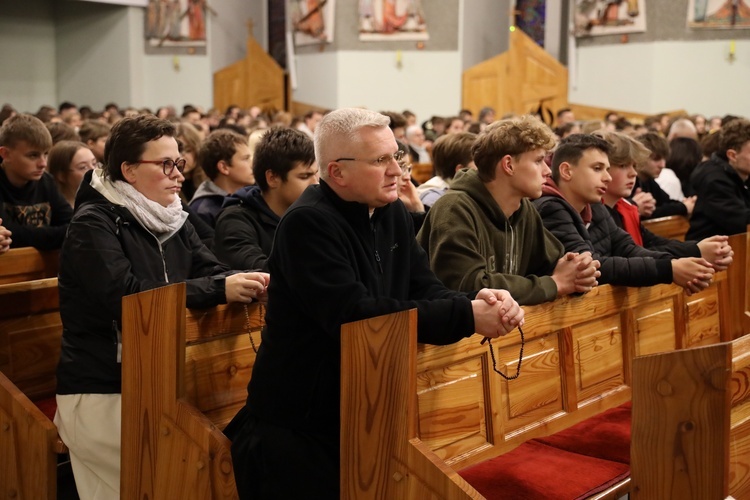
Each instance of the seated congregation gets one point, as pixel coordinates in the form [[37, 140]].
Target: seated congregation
[[314, 240]]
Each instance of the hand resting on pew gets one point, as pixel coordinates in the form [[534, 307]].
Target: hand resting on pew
[[717, 251], [244, 287], [496, 313], [5, 239]]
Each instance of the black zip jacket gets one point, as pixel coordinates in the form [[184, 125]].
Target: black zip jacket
[[622, 261], [331, 264], [245, 230], [723, 204], [106, 255]]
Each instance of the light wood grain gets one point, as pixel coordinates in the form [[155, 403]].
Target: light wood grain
[[680, 427], [673, 227], [256, 80]]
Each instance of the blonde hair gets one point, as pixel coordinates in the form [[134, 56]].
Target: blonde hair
[[513, 137], [623, 149]]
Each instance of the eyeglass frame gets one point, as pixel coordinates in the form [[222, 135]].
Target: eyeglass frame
[[179, 164], [382, 161]]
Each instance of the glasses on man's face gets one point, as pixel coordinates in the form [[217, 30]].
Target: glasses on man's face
[[168, 165], [383, 161]]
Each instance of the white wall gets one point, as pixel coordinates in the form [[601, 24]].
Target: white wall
[[27, 54], [92, 73], [317, 79], [427, 83], [229, 29], [663, 76]]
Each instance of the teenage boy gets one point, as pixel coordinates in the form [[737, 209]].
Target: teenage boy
[[722, 185], [226, 159], [283, 166], [450, 153], [652, 168], [485, 232], [31, 207], [571, 209], [624, 153]]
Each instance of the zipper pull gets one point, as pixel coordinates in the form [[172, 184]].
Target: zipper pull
[[377, 259]]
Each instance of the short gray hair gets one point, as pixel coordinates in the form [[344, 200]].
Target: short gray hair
[[342, 125], [412, 130]]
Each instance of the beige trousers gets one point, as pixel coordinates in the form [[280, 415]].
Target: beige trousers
[[90, 426]]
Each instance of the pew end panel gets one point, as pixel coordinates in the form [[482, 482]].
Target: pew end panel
[[28, 447], [680, 428], [381, 456], [169, 448]]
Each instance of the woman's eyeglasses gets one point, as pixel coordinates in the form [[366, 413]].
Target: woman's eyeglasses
[[168, 165]]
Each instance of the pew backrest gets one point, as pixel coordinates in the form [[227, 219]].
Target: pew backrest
[[26, 264], [577, 362], [674, 227]]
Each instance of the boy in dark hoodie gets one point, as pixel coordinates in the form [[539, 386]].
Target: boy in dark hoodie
[[484, 232], [571, 209], [227, 161], [283, 166]]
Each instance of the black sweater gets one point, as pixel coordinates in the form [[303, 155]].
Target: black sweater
[[36, 214], [331, 264], [622, 261]]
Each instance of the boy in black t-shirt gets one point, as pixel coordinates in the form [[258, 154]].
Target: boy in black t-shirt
[[31, 207]]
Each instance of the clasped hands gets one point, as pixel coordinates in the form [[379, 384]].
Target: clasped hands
[[496, 313]]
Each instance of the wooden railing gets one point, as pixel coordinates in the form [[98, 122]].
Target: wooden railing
[[26, 264]]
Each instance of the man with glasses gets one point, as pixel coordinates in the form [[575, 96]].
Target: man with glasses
[[129, 234], [227, 161], [344, 251]]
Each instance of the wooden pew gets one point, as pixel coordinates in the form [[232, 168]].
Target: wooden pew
[[26, 264], [577, 363], [691, 431], [198, 365], [674, 226], [30, 334]]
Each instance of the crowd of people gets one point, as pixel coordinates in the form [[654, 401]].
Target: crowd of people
[[320, 218]]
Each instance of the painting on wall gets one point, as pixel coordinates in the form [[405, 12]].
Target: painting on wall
[[176, 26], [609, 17], [718, 14], [530, 18], [381, 20], [312, 21]]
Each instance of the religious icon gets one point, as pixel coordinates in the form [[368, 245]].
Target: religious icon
[[719, 14], [609, 17], [312, 21], [176, 26], [381, 20]]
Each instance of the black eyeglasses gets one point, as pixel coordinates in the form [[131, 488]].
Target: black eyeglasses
[[383, 161], [168, 165]]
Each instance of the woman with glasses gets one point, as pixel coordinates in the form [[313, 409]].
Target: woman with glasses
[[129, 233]]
